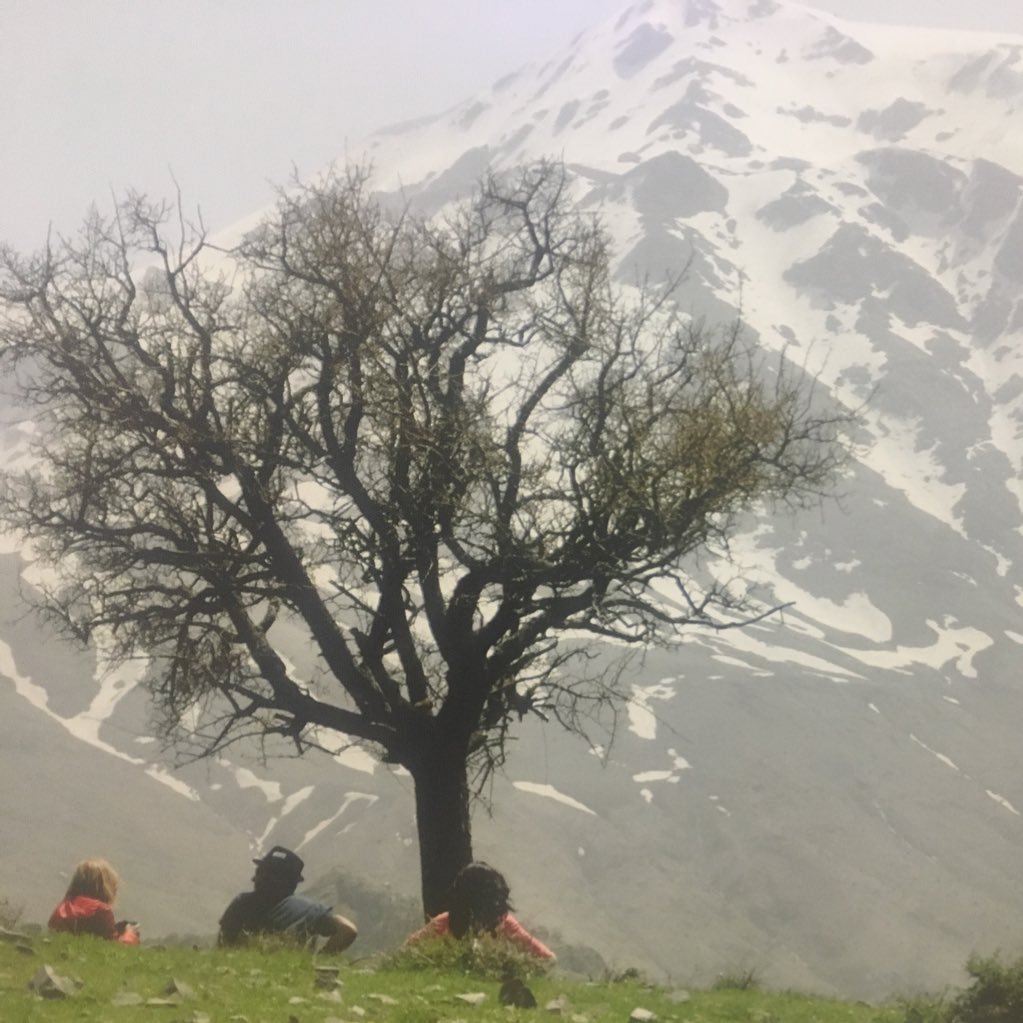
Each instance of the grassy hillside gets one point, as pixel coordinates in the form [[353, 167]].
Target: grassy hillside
[[111, 982]]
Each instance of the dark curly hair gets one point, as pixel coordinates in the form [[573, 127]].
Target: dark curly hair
[[478, 900]]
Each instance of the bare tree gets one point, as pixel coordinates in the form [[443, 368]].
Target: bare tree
[[438, 448]]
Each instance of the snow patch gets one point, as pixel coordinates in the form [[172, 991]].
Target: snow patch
[[550, 792], [350, 799], [934, 753], [1002, 801], [642, 719]]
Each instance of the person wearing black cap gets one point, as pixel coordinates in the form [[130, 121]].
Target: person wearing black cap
[[272, 907]]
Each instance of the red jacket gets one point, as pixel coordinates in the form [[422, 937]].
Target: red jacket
[[82, 915], [508, 928]]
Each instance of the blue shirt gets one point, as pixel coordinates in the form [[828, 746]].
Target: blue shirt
[[250, 913]]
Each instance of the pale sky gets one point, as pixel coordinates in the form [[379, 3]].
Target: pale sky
[[225, 96]]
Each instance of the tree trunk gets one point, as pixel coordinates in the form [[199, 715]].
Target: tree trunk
[[442, 819]]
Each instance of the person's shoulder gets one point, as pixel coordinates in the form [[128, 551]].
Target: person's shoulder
[[297, 909], [237, 907]]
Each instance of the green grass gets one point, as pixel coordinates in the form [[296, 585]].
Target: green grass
[[275, 985]]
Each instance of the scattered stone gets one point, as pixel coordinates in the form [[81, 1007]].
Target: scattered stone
[[199, 1017], [579, 1017], [163, 1003], [47, 983], [514, 992], [297, 1000], [126, 998], [357, 1010], [679, 995], [330, 996], [327, 977], [472, 997], [639, 1015], [178, 989], [237, 1019], [383, 999], [556, 1006]]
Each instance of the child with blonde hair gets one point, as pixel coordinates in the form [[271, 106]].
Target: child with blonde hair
[[87, 906]]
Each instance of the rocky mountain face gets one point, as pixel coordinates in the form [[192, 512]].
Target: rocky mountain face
[[833, 796]]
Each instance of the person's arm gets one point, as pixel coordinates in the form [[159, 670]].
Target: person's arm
[[435, 928], [339, 931], [101, 923], [515, 932], [127, 932], [230, 931]]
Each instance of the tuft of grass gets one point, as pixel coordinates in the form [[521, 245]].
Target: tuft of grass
[[743, 978], [925, 1009], [10, 913], [485, 957]]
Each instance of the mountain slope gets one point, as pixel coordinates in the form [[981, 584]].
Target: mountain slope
[[833, 795]]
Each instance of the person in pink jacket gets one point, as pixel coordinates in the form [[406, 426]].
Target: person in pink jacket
[[478, 904], [87, 906]]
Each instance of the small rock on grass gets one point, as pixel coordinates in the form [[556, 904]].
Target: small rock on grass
[[515, 992], [175, 988], [48, 983], [556, 1006], [125, 998], [639, 1015], [472, 997], [383, 999], [327, 977]]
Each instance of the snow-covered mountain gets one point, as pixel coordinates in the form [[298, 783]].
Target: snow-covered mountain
[[833, 797]]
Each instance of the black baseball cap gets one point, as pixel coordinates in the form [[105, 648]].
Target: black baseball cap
[[282, 863]]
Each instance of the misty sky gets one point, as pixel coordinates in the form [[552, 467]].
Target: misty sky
[[224, 96]]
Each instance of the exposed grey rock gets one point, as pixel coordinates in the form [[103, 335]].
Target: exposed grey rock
[[383, 999], [798, 204], [472, 997], [47, 983], [514, 991], [895, 121], [179, 989], [328, 977], [640, 1015], [853, 266], [556, 1006], [839, 47], [645, 44], [126, 998], [810, 115], [688, 115]]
